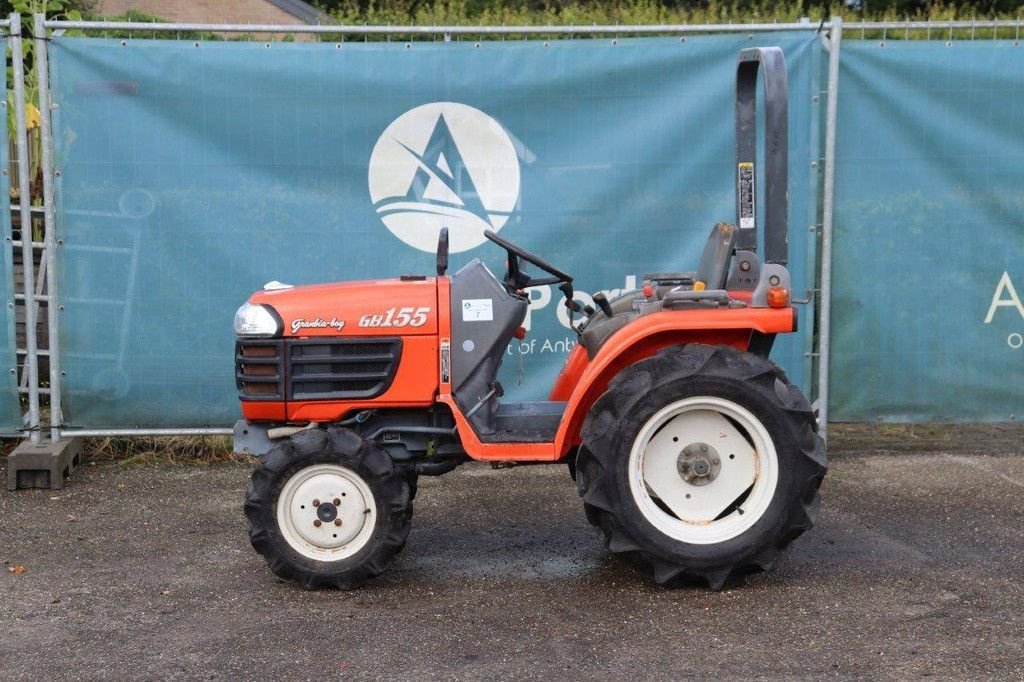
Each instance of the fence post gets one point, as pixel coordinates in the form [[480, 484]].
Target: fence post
[[39, 463], [828, 208], [49, 221], [31, 365]]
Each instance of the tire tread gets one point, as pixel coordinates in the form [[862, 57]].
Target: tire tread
[[599, 453], [338, 446]]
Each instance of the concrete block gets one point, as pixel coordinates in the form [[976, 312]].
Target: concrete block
[[43, 465]]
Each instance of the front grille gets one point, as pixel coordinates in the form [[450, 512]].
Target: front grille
[[259, 369], [341, 369]]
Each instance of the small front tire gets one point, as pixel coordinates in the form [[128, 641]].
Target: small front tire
[[328, 508]]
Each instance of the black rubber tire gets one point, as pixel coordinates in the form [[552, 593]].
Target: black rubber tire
[[678, 372], [332, 446], [413, 480], [570, 462]]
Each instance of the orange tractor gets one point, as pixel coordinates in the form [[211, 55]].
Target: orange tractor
[[692, 452]]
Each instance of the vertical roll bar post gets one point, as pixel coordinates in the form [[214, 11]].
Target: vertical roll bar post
[[771, 62]]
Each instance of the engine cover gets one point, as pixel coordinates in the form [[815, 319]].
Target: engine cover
[[383, 307]]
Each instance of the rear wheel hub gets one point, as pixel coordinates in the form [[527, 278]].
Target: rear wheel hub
[[698, 464], [703, 494]]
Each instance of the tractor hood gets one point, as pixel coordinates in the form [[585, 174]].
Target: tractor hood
[[382, 307]]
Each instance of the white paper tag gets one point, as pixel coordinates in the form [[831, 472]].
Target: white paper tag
[[477, 310]]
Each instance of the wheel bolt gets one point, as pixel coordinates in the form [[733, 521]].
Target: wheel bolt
[[337, 522], [317, 523], [336, 501], [316, 503]]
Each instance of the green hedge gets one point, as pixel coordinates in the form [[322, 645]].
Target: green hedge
[[573, 13]]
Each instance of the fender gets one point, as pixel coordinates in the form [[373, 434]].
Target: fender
[[582, 383]]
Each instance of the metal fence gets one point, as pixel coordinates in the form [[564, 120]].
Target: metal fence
[[42, 403]]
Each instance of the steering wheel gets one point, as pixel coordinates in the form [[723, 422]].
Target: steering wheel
[[517, 280], [515, 277]]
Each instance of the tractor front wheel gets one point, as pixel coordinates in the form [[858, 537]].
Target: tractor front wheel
[[327, 508], [701, 462]]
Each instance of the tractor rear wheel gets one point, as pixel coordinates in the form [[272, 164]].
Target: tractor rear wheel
[[327, 508], [701, 462]]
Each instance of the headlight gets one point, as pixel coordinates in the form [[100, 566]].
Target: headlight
[[256, 320]]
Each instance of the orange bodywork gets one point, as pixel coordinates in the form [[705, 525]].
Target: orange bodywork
[[361, 309], [374, 308], [496, 452], [582, 382]]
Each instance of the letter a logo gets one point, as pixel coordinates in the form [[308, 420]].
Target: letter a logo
[[444, 165]]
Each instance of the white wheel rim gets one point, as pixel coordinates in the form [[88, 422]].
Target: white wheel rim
[[743, 465], [311, 501]]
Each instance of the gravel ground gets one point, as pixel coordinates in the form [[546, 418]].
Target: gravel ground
[[914, 570]]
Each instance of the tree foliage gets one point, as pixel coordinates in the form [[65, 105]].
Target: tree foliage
[[651, 11], [74, 9]]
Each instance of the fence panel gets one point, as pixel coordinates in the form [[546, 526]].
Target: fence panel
[[193, 173], [929, 237]]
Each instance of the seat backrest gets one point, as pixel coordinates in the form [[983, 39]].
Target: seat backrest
[[713, 269]]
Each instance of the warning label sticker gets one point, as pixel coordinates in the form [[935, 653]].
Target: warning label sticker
[[477, 310], [446, 361], [745, 192]]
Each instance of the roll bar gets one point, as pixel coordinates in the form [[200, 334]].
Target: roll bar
[[776, 173]]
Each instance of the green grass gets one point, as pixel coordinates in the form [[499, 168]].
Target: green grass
[[163, 450]]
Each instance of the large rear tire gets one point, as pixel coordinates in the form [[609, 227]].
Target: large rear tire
[[327, 508], [701, 462]]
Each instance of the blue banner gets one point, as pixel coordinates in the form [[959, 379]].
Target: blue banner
[[193, 173], [929, 237]]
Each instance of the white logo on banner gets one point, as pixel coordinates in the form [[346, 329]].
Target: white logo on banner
[[444, 165], [1006, 296]]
